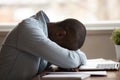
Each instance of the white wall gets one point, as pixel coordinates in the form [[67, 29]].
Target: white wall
[[98, 44]]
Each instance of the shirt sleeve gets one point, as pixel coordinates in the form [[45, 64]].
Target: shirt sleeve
[[32, 40], [82, 56]]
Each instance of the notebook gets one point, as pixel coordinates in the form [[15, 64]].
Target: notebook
[[100, 64], [65, 76]]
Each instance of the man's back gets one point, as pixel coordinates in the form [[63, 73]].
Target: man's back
[[15, 63]]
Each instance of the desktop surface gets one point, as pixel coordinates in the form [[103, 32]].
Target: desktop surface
[[111, 75]]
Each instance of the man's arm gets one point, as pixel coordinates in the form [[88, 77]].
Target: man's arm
[[33, 40]]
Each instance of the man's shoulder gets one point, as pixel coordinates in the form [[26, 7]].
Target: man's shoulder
[[29, 21]]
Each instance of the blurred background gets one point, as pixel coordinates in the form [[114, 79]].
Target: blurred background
[[84, 10], [100, 17]]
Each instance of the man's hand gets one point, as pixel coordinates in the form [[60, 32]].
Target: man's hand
[[67, 69], [54, 68]]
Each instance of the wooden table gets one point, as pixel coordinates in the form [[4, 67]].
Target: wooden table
[[111, 75]]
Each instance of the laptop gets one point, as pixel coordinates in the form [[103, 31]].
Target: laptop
[[100, 64]]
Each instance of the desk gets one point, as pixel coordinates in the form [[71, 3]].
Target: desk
[[111, 75]]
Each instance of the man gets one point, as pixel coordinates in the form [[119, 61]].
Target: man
[[36, 43]]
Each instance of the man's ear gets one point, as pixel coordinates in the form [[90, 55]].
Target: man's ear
[[61, 34]]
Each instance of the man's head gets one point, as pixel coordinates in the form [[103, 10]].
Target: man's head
[[69, 33]]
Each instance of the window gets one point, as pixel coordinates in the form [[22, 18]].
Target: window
[[83, 10]]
